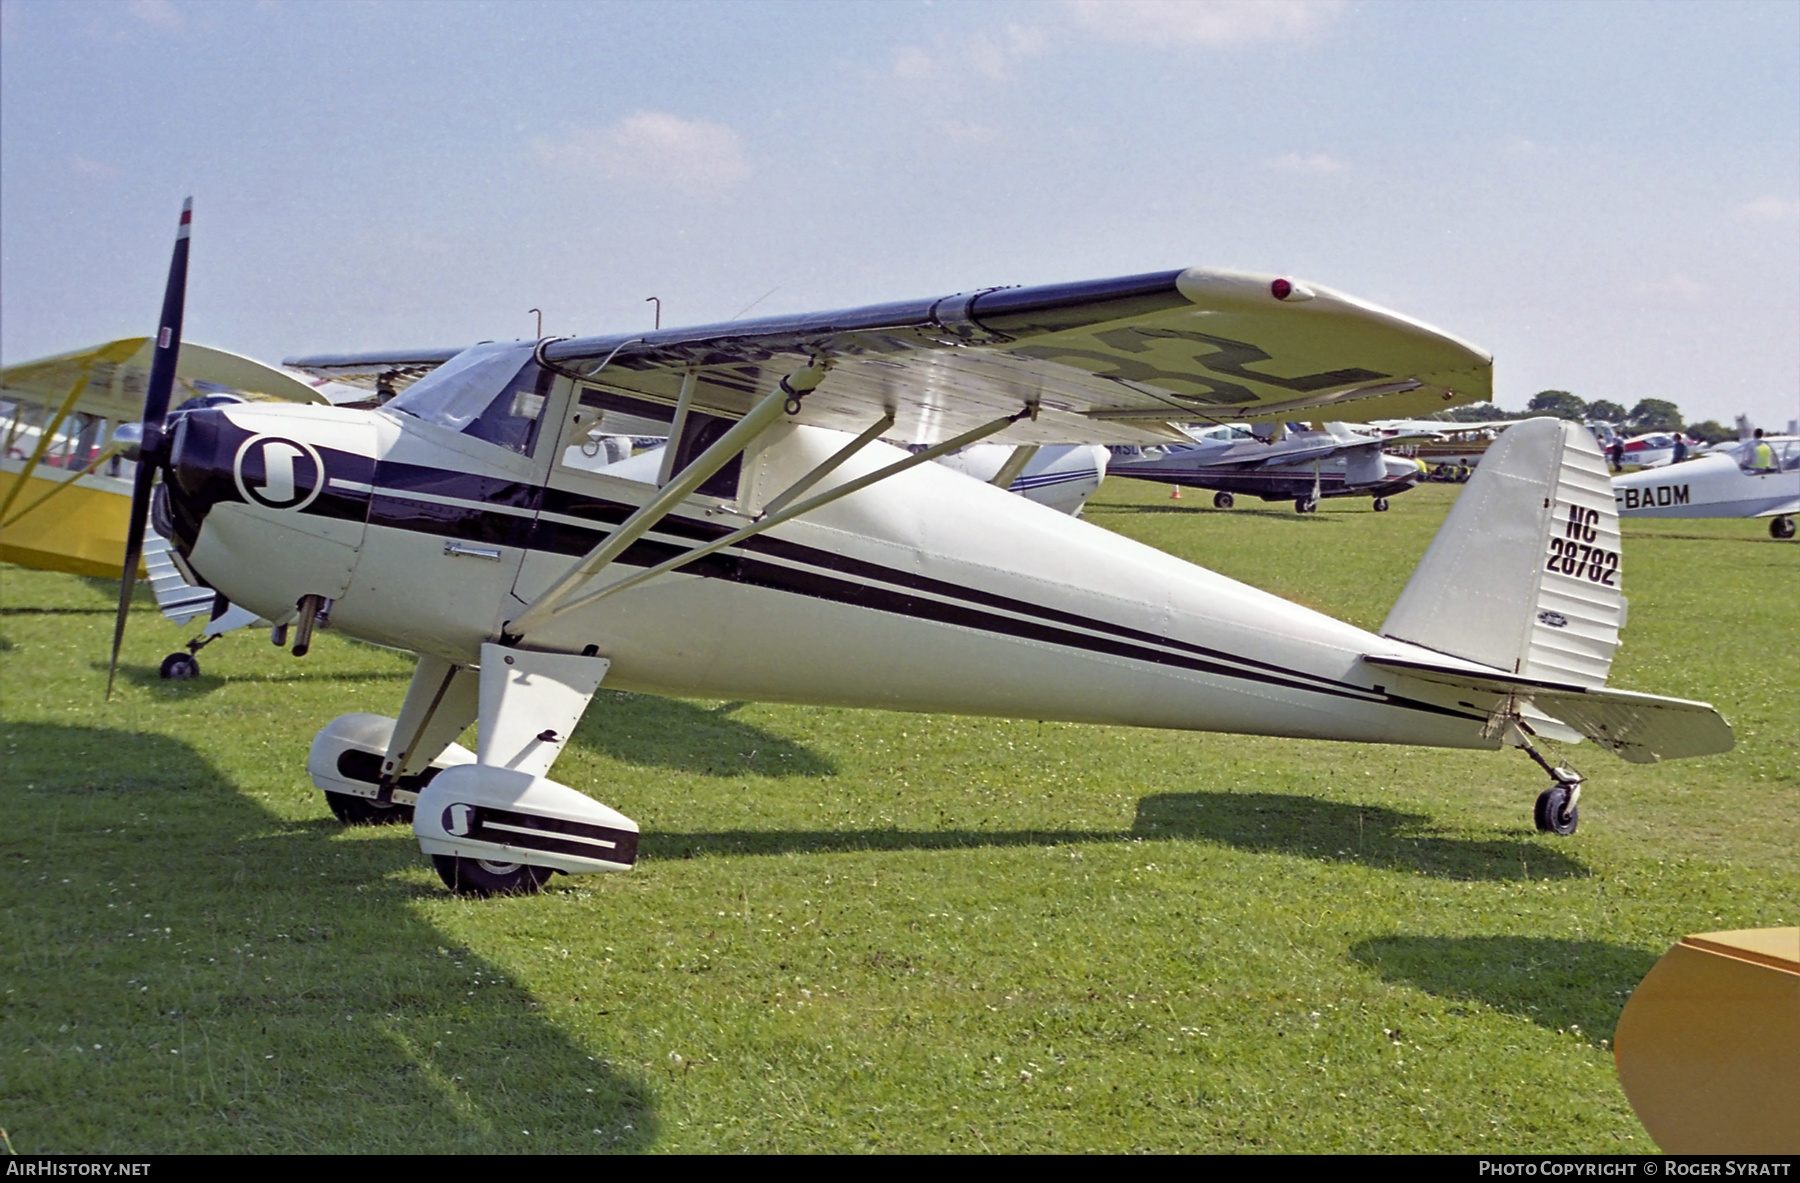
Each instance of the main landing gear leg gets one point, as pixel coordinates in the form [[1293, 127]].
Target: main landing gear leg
[[1555, 811]]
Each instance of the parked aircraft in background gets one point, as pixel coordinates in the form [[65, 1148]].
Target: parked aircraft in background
[[1302, 466], [782, 552], [1656, 449], [1061, 476], [66, 484], [1746, 479]]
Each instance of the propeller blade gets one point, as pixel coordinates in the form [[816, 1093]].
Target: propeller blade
[[156, 409]]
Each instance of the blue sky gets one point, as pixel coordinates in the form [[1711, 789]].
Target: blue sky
[[1607, 196]]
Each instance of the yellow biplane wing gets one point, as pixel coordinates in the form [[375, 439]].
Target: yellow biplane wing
[[117, 371]]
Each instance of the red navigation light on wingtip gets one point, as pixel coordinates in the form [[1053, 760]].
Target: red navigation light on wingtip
[[1281, 289]]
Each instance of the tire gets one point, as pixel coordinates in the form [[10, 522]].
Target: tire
[[1223, 501], [1381, 505], [1782, 528], [180, 667], [1306, 505], [481, 878], [361, 811], [1553, 814]]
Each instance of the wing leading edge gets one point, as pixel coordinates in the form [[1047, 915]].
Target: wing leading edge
[[1106, 361], [118, 371]]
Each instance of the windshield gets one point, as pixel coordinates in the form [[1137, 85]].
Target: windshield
[[494, 392]]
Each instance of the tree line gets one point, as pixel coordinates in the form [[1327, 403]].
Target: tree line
[[1650, 414]]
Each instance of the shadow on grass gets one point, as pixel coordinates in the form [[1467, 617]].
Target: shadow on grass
[[136, 608], [657, 732], [1560, 984], [1336, 832], [151, 675], [1261, 822], [1285, 515], [194, 974]]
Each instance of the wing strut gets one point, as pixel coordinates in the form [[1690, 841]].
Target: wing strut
[[45, 437], [1014, 466], [106, 453], [734, 441], [769, 521], [828, 466]]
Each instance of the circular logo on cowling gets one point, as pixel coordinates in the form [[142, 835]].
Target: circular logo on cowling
[[459, 820], [278, 473]]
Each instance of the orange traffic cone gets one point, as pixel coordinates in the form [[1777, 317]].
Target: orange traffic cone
[[1175, 493]]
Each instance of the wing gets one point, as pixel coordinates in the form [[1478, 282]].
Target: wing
[[1110, 361], [118, 370]]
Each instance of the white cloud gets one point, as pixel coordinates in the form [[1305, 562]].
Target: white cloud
[[912, 62], [161, 13], [93, 170], [1519, 146], [1316, 165], [1770, 208], [964, 132], [1675, 286], [990, 55], [1205, 22], [654, 150]]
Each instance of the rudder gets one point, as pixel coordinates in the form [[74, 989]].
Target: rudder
[[1524, 574]]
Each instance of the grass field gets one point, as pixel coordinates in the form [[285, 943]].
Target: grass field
[[863, 931]]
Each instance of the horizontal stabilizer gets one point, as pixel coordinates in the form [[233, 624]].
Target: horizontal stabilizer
[[1641, 728]]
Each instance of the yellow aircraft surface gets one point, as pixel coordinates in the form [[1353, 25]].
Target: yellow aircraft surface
[[65, 484]]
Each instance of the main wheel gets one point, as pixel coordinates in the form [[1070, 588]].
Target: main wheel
[[1381, 505], [1553, 813], [1223, 501], [1782, 528], [1306, 505], [362, 811], [479, 877], [180, 667]]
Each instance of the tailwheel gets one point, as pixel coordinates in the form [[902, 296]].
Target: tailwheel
[[1556, 812], [1381, 505], [363, 811], [1782, 527], [1223, 501], [180, 667], [482, 878]]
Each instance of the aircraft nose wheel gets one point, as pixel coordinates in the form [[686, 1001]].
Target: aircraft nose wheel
[[1381, 505], [1556, 811], [180, 667], [1223, 501], [1782, 528], [1306, 505], [482, 878]]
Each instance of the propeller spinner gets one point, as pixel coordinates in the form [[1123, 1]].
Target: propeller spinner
[[152, 452]]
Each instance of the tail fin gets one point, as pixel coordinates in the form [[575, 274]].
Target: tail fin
[[1524, 574]]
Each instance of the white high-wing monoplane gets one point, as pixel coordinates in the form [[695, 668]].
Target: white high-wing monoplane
[[1755, 478], [1303, 466], [781, 552], [1061, 476]]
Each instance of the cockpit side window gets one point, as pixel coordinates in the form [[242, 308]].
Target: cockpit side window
[[493, 392], [512, 419]]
